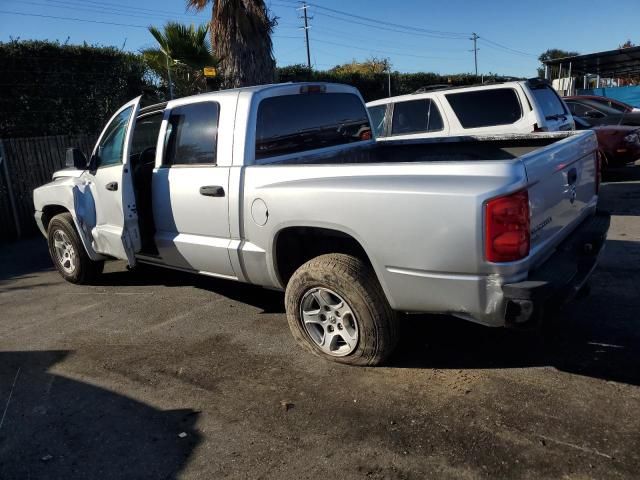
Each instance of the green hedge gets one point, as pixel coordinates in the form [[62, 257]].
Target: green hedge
[[49, 89], [374, 86], [53, 89]]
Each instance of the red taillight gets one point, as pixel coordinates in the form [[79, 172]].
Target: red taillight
[[507, 235]]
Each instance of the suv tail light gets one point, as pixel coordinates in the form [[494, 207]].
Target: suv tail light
[[507, 234]]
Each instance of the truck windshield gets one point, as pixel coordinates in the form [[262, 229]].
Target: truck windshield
[[297, 123]]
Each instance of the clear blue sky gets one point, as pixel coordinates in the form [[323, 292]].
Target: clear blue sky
[[525, 28]]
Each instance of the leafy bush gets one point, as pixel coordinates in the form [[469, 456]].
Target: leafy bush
[[376, 85], [49, 88]]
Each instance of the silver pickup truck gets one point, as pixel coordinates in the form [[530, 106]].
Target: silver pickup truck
[[284, 186]]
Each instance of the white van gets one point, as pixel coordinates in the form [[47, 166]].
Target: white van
[[496, 108]]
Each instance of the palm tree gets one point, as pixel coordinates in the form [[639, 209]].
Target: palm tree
[[183, 53], [241, 36]]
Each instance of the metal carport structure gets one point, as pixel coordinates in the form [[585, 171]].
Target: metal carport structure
[[623, 62]]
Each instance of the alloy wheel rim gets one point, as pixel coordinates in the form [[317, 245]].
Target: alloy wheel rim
[[65, 253], [329, 321]]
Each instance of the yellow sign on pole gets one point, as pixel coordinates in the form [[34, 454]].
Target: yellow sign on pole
[[210, 71]]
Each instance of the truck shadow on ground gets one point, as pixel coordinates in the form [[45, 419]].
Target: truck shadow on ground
[[269, 301], [596, 336], [570, 346], [56, 427]]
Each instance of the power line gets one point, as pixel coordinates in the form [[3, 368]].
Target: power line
[[380, 27], [457, 35], [78, 6], [72, 19], [373, 50], [508, 49], [389, 43]]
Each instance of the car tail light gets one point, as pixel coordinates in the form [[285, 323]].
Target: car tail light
[[507, 234]]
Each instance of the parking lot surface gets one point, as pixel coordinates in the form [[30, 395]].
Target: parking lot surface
[[158, 374]]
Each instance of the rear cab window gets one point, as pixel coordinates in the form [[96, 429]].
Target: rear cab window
[[416, 116], [486, 108], [290, 124]]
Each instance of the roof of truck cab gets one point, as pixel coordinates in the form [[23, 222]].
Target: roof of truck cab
[[253, 89]]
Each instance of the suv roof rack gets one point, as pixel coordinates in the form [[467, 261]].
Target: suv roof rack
[[431, 88]]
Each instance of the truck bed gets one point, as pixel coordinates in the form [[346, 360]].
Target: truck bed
[[445, 149]]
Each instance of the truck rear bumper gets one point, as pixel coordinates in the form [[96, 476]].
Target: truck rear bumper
[[558, 279]]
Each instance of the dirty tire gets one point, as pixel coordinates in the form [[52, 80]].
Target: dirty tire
[[86, 270], [356, 282]]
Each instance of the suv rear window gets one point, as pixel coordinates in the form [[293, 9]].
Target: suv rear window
[[297, 123], [485, 108], [416, 116], [549, 102]]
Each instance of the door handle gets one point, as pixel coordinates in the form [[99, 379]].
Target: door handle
[[572, 176], [112, 186], [212, 191]]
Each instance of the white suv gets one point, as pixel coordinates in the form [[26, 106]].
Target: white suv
[[497, 108]]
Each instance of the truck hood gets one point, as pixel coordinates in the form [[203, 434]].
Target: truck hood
[[67, 172]]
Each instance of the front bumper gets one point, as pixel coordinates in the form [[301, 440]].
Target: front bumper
[[557, 280]]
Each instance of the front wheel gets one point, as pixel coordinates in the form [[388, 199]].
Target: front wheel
[[337, 310], [68, 253]]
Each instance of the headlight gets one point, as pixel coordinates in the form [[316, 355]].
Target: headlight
[[632, 138]]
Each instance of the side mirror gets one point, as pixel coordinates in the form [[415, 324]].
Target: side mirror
[[75, 159], [593, 114]]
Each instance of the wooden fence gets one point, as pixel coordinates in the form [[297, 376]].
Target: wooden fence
[[27, 163]]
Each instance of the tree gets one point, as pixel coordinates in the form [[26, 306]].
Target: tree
[[552, 54], [627, 44], [183, 53], [241, 36], [371, 66]]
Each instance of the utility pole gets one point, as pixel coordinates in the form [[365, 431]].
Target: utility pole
[[306, 33], [475, 37]]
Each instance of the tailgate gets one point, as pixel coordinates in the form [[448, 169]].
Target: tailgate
[[562, 186]]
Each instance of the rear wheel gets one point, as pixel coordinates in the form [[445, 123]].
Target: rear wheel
[[337, 310], [68, 253]]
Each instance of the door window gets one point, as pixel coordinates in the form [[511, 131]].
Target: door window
[[111, 144], [192, 134], [578, 109], [416, 116], [486, 108], [145, 135], [377, 119]]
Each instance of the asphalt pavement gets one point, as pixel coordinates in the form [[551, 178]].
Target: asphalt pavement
[[158, 374]]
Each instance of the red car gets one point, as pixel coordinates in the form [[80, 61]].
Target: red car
[[620, 144], [609, 102]]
